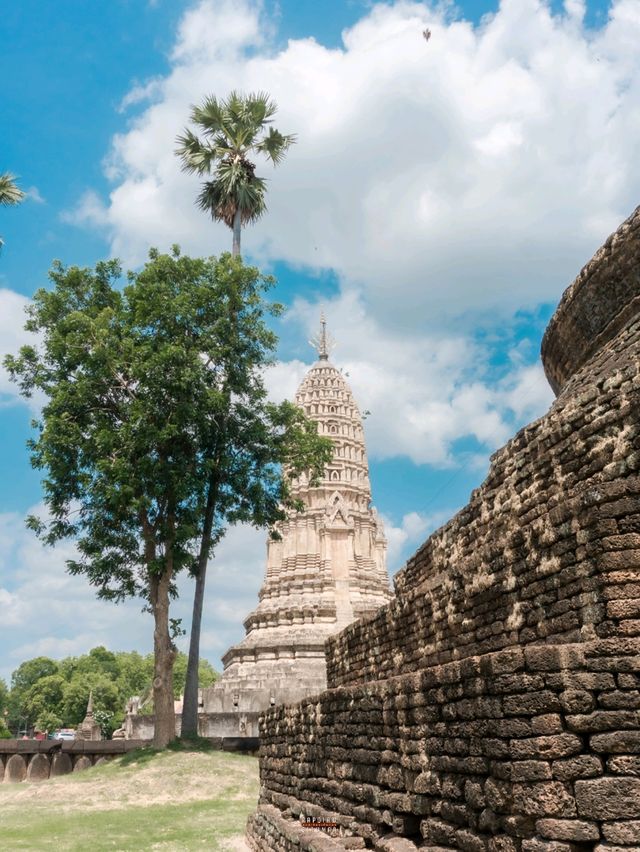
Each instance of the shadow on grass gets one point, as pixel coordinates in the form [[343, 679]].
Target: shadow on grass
[[191, 743]]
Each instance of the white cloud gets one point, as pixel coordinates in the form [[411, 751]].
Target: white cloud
[[33, 193], [461, 177], [90, 211], [423, 392], [527, 393], [140, 93], [413, 529], [48, 611], [474, 171]]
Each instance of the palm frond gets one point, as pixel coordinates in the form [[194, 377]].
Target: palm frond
[[209, 116], [195, 156], [251, 200], [215, 200], [275, 145], [262, 107], [10, 193]]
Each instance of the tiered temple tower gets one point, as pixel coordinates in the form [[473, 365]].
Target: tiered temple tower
[[327, 569]]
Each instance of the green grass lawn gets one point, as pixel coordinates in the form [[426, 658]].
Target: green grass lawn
[[166, 801]]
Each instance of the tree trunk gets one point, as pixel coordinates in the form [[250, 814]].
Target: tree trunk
[[237, 225], [164, 656], [190, 704]]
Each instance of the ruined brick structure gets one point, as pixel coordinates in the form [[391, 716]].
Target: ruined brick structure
[[494, 704]]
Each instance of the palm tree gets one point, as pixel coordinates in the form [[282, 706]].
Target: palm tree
[[232, 130], [10, 194]]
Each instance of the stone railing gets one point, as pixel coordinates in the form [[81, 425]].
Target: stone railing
[[38, 760]]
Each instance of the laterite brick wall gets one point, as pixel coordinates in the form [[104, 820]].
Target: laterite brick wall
[[495, 703]]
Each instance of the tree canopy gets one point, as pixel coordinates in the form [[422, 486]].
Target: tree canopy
[[49, 694], [155, 411], [233, 130]]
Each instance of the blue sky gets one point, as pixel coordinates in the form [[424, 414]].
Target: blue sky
[[440, 198]]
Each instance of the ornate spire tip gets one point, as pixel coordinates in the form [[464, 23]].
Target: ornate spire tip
[[323, 341]]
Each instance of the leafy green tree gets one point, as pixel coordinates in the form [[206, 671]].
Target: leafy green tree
[[135, 673], [232, 130], [207, 675], [31, 671], [4, 710], [4, 697], [48, 721], [156, 426], [106, 697], [46, 695], [22, 680], [113, 677]]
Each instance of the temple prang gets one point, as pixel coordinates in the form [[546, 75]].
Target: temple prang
[[326, 568]]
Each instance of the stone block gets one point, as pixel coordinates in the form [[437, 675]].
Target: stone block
[[604, 720], [620, 700], [15, 769], [60, 764], [620, 742], [550, 798], [549, 748], [39, 768], [567, 829], [625, 833], [394, 844], [608, 847], [82, 762], [437, 831], [577, 701], [530, 770], [549, 723], [584, 766], [531, 703], [624, 765], [502, 844], [608, 798], [468, 841], [536, 845]]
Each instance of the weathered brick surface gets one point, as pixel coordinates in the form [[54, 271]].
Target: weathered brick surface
[[495, 703]]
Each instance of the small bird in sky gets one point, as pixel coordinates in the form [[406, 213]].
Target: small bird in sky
[[426, 34]]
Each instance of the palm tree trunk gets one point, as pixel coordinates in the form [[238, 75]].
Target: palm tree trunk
[[237, 225]]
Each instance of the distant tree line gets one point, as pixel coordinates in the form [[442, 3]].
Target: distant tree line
[[46, 694]]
